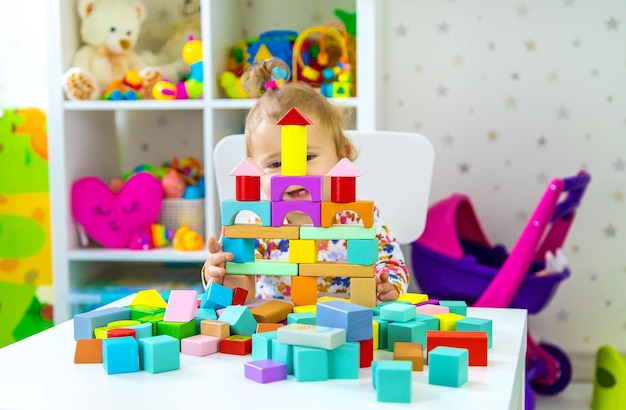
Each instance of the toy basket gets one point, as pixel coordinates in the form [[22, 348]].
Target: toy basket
[[178, 211]]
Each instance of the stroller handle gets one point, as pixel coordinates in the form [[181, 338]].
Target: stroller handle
[[575, 187]]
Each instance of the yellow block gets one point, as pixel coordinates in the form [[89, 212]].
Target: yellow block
[[413, 298], [305, 308], [118, 324], [293, 146], [447, 321], [303, 251], [331, 298], [149, 297], [100, 332], [375, 333]]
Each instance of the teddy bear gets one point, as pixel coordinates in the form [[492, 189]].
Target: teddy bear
[[109, 30], [168, 40]]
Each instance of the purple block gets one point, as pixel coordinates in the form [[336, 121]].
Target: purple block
[[282, 208], [312, 183], [265, 371], [428, 302]]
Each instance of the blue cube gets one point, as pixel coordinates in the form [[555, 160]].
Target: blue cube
[[159, 354], [120, 355], [448, 366], [356, 320]]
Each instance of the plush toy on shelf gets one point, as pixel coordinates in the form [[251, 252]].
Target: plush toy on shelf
[[109, 30], [192, 87]]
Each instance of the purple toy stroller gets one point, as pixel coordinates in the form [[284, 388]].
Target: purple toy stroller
[[453, 259]]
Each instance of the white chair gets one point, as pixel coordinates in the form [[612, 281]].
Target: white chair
[[397, 171]]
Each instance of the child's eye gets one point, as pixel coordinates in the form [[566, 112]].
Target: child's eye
[[310, 157], [274, 165]]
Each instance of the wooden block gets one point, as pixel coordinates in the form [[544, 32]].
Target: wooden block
[[365, 209], [178, 330], [410, 351], [303, 251], [356, 320], [268, 327], [281, 208], [246, 282], [330, 299], [237, 344], [266, 267], [312, 183], [159, 354], [397, 312], [283, 353], [293, 150], [336, 269], [474, 342], [247, 188], [411, 331], [305, 308], [303, 290], [85, 323], [375, 334], [272, 311], [342, 189], [137, 311], [306, 318], [182, 305], [88, 351], [413, 298], [383, 327], [262, 345], [216, 296], [255, 231], [337, 232], [447, 321], [366, 352], [313, 336], [239, 296], [241, 248], [199, 345], [310, 363], [231, 207], [432, 323], [448, 366], [240, 319], [215, 328], [362, 251], [363, 291]]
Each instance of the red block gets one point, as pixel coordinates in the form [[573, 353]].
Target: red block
[[366, 353], [248, 188], [343, 189], [239, 296], [121, 332], [474, 342], [236, 344]]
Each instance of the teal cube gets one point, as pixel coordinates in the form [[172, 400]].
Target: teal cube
[[448, 366], [343, 361], [307, 318], [456, 306], [393, 381], [159, 354], [412, 331], [475, 324], [202, 314], [241, 320], [432, 323], [216, 296], [231, 207], [241, 248], [310, 364], [398, 312], [362, 251], [262, 345], [383, 327], [120, 355], [283, 353]]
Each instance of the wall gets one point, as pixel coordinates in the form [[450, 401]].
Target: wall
[[511, 94]]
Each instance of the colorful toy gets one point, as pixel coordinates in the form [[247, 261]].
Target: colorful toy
[[128, 88], [608, 379], [109, 31], [192, 87], [455, 247], [173, 184], [112, 219], [187, 240]]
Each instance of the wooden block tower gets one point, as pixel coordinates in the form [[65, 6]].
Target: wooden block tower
[[362, 245]]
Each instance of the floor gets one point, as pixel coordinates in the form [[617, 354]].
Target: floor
[[577, 396]]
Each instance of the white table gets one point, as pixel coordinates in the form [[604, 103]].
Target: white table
[[39, 372]]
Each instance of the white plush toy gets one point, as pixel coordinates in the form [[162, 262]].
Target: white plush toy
[[109, 30], [171, 38]]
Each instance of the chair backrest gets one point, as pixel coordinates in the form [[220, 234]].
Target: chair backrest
[[397, 171]]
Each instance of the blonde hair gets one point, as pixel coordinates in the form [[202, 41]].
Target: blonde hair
[[275, 102]]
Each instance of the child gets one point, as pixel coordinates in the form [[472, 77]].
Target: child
[[326, 145]]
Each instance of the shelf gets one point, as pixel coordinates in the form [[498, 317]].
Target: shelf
[[228, 103], [139, 105], [166, 254]]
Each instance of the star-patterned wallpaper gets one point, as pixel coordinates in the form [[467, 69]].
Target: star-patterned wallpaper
[[511, 94]]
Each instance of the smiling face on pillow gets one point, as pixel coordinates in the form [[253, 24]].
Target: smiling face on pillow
[[112, 219]]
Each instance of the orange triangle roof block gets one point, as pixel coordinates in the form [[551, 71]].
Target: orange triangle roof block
[[344, 168], [294, 117], [247, 167]]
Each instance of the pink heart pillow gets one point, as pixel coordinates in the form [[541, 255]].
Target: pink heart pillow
[[112, 219]]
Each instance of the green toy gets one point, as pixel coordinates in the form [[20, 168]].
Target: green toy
[[609, 381]]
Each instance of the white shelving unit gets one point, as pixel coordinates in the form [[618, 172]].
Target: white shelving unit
[[107, 138]]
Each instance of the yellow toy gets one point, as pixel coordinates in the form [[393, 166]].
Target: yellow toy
[[187, 240]]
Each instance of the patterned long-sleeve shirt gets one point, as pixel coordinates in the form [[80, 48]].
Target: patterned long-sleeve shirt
[[390, 260]]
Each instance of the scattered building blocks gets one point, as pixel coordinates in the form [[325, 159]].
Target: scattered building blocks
[[154, 321], [215, 328], [149, 297], [305, 308], [88, 351], [272, 311], [283, 353], [142, 330], [240, 319], [375, 334], [476, 324], [120, 355], [177, 330], [409, 351], [356, 320], [121, 332], [306, 318], [310, 364], [236, 344], [397, 312], [430, 309], [448, 366], [447, 321], [137, 311], [343, 362], [411, 331], [474, 342], [216, 296], [262, 345], [159, 354], [456, 306], [412, 298], [241, 248], [304, 290], [200, 345], [239, 296], [265, 371], [392, 381], [85, 323], [182, 306], [432, 323], [312, 336], [362, 251], [268, 327], [366, 352], [243, 282]]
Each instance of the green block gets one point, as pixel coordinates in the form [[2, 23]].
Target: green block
[[412, 331], [139, 311], [343, 362], [398, 312], [338, 232], [456, 306], [362, 251], [155, 320], [240, 319], [310, 364], [448, 366], [432, 323], [178, 330], [307, 318], [383, 327], [283, 353], [476, 324], [266, 267], [393, 381], [262, 345], [159, 354]]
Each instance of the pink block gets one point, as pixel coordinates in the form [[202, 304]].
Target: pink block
[[182, 306], [432, 309], [200, 345], [312, 183]]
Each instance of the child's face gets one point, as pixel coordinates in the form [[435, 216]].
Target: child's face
[[265, 150]]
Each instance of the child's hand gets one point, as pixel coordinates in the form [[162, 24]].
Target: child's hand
[[385, 290], [214, 267]]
